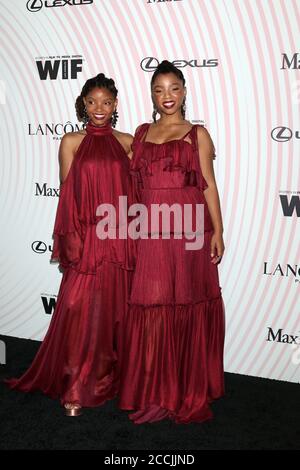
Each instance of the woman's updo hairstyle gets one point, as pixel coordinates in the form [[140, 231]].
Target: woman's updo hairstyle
[[167, 67], [100, 81]]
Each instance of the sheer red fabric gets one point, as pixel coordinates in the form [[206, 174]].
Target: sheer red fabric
[[172, 359], [78, 359]]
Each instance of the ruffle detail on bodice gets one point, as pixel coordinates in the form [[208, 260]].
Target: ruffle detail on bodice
[[176, 155]]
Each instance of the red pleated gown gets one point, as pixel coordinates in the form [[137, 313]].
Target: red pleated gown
[[172, 361], [78, 359]]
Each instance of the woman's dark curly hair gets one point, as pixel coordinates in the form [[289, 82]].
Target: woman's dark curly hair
[[100, 81], [167, 67]]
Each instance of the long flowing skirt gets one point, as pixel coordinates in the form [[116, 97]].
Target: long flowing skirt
[[172, 359], [78, 359]]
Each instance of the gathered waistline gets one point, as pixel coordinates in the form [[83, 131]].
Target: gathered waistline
[[167, 189]]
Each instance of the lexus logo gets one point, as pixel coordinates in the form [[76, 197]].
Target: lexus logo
[[34, 5], [281, 134], [149, 64], [39, 247]]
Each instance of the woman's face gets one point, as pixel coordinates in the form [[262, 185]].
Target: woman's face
[[100, 105], [168, 93]]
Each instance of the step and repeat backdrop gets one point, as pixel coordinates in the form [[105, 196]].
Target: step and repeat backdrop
[[241, 61]]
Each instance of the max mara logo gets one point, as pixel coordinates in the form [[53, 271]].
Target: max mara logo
[[280, 337]]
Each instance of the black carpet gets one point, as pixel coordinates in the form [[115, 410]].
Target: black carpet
[[255, 414]]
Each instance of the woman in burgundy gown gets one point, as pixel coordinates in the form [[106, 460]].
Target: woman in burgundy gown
[[78, 359], [172, 361]]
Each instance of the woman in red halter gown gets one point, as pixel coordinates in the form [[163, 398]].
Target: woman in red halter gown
[[172, 360], [78, 359]]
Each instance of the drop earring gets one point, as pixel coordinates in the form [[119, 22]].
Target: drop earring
[[85, 116], [154, 113], [114, 118], [183, 108]]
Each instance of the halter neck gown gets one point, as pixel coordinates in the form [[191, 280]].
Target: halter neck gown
[[78, 359]]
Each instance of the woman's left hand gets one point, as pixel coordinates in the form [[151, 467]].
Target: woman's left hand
[[217, 248]]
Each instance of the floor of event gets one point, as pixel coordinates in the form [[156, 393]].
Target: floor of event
[[255, 414]]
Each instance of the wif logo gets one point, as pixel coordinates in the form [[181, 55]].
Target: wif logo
[[64, 67], [290, 206], [49, 303]]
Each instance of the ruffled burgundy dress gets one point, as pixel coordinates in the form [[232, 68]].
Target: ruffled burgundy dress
[[78, 359], [172, 361]]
